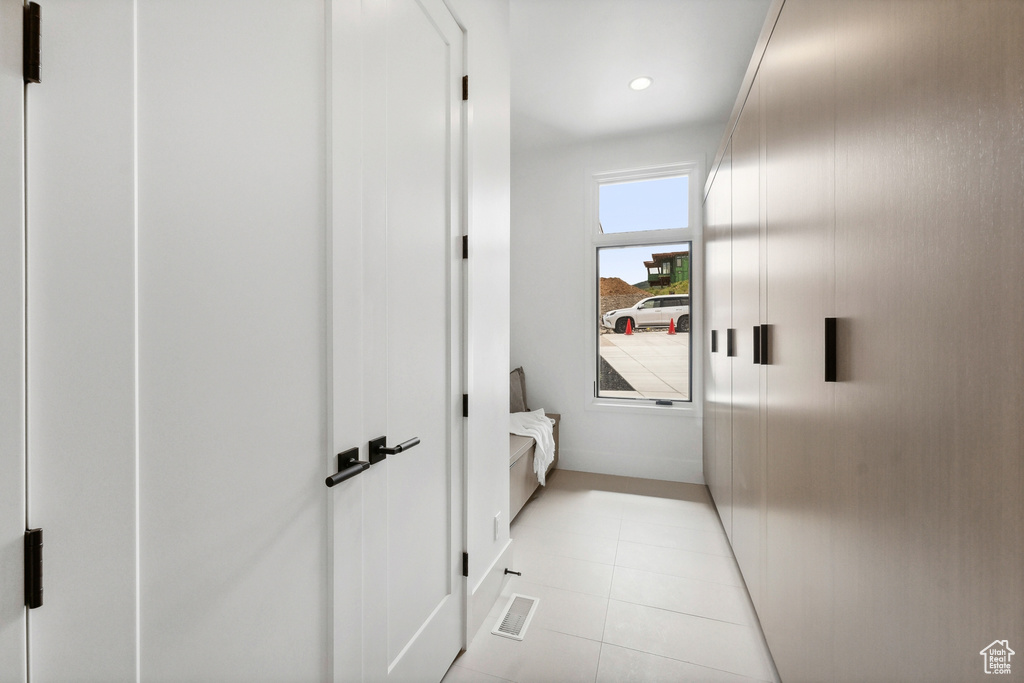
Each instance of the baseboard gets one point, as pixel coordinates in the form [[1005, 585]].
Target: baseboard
[[486, 593], [643, 467]]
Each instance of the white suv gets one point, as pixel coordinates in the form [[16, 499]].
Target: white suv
[[655, 311]]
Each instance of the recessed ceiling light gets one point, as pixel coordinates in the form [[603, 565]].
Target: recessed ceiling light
[[641, 83]]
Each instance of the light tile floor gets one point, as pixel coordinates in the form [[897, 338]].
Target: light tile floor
[[636, 582]]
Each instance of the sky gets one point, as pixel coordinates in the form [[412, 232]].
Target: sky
[[656, 204]]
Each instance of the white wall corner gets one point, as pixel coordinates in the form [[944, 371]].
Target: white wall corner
[[484, 596]]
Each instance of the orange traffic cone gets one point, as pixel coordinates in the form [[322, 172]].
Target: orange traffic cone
[[629, 326], [671, 326]]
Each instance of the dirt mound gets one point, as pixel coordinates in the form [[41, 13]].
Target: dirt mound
[[613, 286]]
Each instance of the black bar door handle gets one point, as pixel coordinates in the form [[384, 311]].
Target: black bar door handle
[[757, 344], [349, 465], [730, 342], [764, 345], [830, 350], [379, 449], [714, 341]]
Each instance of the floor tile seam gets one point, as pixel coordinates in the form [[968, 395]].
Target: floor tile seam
[[717, 534], [565, 590], [688, 578], [679, 611], [685, 661], [689, 550], [673, 526], [575, 533], [570, 635], [688, 614], [485, 673], [569, 557], [595, 514]]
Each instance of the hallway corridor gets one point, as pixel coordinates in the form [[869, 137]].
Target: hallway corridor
[[635, 581]]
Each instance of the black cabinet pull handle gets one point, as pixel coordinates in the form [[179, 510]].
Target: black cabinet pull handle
[[379, 449], [714, 341], [349, 466], [730, 342], [757, 344], [764, 345], [830, 350], [34, 568]]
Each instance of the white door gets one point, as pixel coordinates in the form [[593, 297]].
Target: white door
[[12, 347], [176, 341], [414, 594], [648, 313]]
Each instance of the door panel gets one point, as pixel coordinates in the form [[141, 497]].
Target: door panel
[[929, 437], [13, 651], [748, 465], [418, 267], [82, 456], [645, 315], [232, 340], [176, 342], [798, 98], [710, 301], [721, 361], [415, 600]]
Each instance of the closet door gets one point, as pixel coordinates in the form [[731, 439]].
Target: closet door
[[710, 305], [80, 314], [13, 651], [413, 592], [232, 341], [797, 94], [176, 341], [719, 314], [929, 511], [747, 460]]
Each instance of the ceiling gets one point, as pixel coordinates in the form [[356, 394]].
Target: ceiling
[[572, 61]]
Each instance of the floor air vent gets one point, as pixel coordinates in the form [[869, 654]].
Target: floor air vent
[[515, 617]]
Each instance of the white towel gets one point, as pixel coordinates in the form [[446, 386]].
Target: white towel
[[541, 427]]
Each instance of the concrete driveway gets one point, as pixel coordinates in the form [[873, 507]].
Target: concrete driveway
[[656, 364]]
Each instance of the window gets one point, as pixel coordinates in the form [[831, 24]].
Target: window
[[642, 247]]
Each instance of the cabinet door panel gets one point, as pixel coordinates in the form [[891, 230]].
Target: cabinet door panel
[[710, 297], [747, 463], [720, 258], [798, 95], [928, 258]]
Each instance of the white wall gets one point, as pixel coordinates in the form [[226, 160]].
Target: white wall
[[487, 150], [551, 306]]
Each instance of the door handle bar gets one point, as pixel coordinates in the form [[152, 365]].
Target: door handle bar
[[349, 465], [379, 449]]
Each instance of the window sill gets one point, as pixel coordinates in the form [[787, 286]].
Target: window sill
[[643, 407]]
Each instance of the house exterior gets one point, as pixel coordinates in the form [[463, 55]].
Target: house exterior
[[667, 269]]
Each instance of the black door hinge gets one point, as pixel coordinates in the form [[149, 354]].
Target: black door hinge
[[465, 405], [30, 42], [34, 568], [465, 564], [465, 88], [465, 246]]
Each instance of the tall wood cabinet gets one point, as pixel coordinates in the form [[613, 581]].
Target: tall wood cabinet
[[718, 431], [873, 175], [747, 455]]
